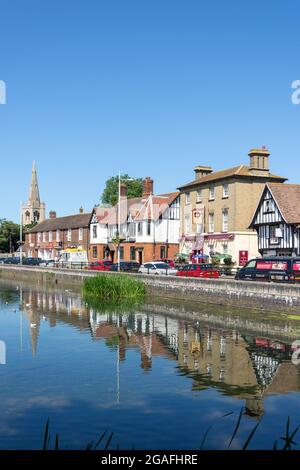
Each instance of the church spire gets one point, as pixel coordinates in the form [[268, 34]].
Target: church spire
[[34, 194], [34, 210]]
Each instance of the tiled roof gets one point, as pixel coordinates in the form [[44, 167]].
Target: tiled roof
[[60, 223], [241, 170], [287, 198], [138, 208]]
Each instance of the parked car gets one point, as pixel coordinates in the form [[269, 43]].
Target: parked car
[[31, 261], [198, 270], [284, 269], [126, 266], [103, 265], [157, 267], [12, 260], [170, 262]]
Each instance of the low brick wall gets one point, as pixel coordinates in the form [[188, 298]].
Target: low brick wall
[[219, 291]]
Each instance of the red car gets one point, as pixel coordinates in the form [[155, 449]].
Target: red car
[[198, 270], [103, 265]]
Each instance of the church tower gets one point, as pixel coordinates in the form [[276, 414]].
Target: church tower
[[34, 210]]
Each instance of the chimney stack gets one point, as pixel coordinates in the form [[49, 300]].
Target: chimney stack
[[147, 186], [81, 210], [201, 171], [259, 161], [52, 214], [123, 188]]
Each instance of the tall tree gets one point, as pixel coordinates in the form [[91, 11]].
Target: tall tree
[[111, 191], [9, 236]]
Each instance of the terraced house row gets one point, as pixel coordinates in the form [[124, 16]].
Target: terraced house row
[[212, 214]]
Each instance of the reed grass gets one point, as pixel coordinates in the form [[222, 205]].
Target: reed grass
[[113, 288]]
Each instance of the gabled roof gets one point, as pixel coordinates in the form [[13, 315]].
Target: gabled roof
[[287, 198], [237, 171], [139, 208], [60, 223]]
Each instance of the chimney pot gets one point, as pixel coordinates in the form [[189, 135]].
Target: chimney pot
[[81, 210], [147, 186], [259, 159], [201, 171], [52, 214], [123, 188]]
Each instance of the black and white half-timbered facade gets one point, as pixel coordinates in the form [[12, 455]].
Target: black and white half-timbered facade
[[277, 220]]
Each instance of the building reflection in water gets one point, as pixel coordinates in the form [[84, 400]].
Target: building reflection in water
[[238, 365]]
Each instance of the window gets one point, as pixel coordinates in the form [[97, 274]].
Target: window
[[187, 223], [148, 227], [273, 234], [44, 236], [199, 195], [39, 236], [50, 236], [251, 264], [225, 190], [132, 253], [131, 229], [187, 198], [225, 248], [94, 231], [211, 222], [140, 228], [57, 235], [69, 236], [269, 205], [162, 252], [211, 193], [94, 252], [225, 221], [199, 228], [80, 234], [121, 252]]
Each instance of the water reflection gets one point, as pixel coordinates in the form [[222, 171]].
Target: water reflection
[[239, 365]]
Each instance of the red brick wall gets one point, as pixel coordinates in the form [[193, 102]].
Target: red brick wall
[[63, 238], [149, 252]]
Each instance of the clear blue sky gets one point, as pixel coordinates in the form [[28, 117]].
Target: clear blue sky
[[148, 87]]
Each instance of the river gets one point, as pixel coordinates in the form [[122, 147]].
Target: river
[[157, 376]]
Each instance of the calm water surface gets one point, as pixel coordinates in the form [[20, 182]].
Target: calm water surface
[[157, 382]]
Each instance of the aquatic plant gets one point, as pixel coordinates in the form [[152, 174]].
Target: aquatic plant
[[113, 288]]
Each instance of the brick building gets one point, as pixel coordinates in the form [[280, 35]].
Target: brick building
[[49, 238], [149, 227], [217, 208]]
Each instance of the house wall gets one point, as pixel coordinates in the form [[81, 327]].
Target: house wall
[[45, 249]]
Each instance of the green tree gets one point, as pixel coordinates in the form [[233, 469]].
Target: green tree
[[111, 191], [9, 236]]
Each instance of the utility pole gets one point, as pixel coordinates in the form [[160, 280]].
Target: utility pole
[[119, 221], [21, 235]]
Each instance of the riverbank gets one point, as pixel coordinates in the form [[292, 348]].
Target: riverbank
[[258, 295]]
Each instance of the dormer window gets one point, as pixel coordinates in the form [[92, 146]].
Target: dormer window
[[269, 206]]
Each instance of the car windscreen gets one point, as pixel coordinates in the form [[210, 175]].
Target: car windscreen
[[161, 265]]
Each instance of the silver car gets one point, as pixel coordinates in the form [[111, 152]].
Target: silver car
[[157, 268]]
